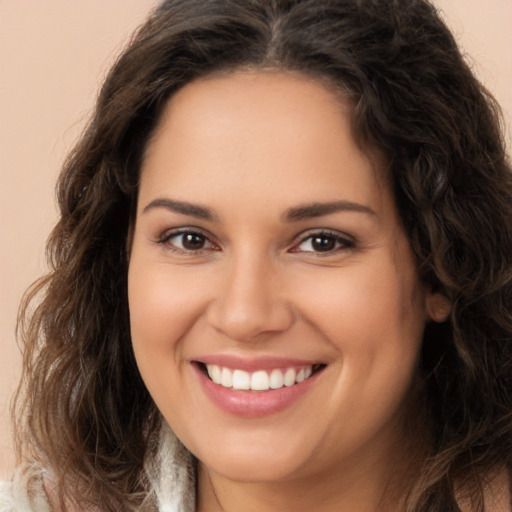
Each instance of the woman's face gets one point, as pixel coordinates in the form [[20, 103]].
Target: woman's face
[[268, 256]]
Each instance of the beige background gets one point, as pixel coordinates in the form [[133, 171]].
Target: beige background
[[53, 54]]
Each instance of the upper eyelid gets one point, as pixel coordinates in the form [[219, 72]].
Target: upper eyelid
[[170, 232], [325, 231]]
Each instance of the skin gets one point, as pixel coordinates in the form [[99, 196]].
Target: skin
[[250, 146]]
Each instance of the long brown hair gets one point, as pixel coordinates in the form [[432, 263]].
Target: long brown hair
[[82, 406]]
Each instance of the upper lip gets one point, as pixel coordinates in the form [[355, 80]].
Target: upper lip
[[252, 364]]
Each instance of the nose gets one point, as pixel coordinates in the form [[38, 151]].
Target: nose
[[249, 303]]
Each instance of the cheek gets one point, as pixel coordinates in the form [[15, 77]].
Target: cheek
[[367, 303], [164, 307], [373, 317], [164, 304]]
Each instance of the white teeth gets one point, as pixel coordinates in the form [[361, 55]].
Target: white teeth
[[215, 373], [289, 377], [241, 380], [226, 378], [276, 379], [260, 380]]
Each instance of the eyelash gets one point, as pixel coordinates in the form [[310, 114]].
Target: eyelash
[[165, 240], [340, 242]]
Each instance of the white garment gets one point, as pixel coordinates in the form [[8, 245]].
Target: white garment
[[6, 498], [25, 493], [171, 474]]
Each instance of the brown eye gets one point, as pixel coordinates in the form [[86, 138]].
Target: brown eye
[[193, 241], [323, 243], [187, 241]]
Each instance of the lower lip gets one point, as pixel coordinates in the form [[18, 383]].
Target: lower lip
[[253, 404]]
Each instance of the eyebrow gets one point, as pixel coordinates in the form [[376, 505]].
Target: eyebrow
[[310, 211], [183, 207]]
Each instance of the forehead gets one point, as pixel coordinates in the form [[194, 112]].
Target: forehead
[[252, 97], [255, 132]]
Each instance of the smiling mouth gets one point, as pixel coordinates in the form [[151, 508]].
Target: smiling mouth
[[261, 380]]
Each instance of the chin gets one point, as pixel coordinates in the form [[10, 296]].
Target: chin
[[254, 466]]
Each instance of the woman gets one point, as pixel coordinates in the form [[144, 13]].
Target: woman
[[281, 277]]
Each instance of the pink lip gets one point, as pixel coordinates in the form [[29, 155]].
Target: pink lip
[[254, 364], [254, 404]]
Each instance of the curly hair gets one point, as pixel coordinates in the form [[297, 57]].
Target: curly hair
[[82, 406]]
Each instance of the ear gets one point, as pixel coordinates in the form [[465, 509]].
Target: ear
[[438, 307]]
